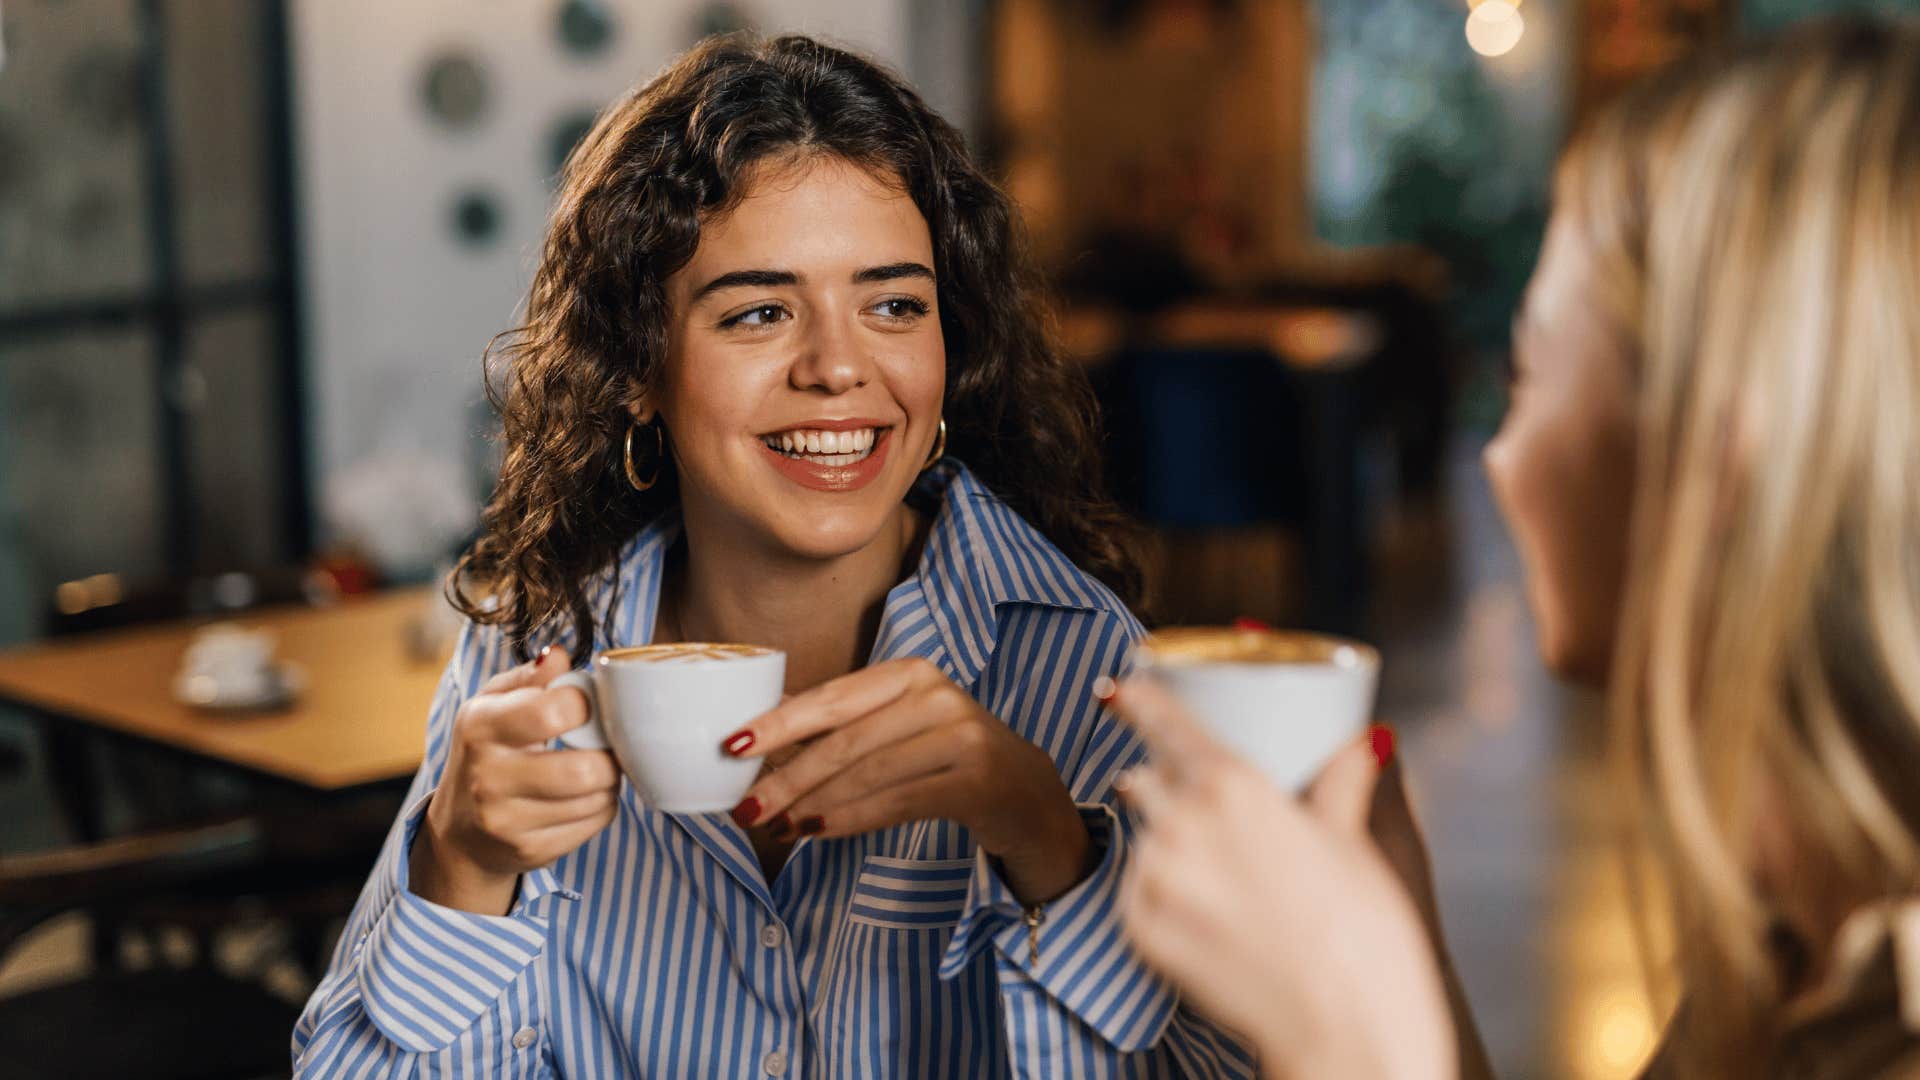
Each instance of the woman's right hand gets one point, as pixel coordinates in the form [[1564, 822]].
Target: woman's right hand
[[506, 804], [1278, 917]]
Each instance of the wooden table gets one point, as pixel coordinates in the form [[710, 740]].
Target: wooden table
[[361, 720]]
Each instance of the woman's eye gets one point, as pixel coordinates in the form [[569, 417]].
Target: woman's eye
[[900, 308], [764, 315]]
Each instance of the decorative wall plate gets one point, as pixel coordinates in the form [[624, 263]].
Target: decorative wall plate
[[721, 17], [454, 87], [476, 218], [585, 27], [563, 135]]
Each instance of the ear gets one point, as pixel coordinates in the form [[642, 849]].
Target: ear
[[640, 403]]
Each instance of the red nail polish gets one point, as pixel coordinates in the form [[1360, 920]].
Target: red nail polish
[[748, 809], [1380, 737], [738, 743], [1248, 622], [811, 825], [782, 827]]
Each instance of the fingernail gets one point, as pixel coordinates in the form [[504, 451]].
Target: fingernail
[[748, 810], [738, 743], [1104, 688], [1380, 737], [1248, 622], [1123, 782], [811, 825], [782, 827]]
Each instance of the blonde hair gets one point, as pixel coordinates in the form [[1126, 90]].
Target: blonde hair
[[1754, 217]]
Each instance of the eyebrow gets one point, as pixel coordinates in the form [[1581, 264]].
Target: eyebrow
[[735, 279], [892, 272], [758, 278]]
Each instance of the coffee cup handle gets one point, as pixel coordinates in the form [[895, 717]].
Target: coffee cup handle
[[590, 735]]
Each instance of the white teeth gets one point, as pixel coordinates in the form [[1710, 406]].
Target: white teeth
[[825, 447]]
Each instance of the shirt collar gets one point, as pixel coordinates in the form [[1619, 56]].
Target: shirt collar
[[981, 556]]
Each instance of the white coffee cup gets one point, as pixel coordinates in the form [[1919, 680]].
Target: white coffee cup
[[225, 662], [664, 709], [1287, 701]]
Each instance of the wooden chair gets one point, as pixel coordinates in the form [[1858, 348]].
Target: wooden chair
[[163, 1021]]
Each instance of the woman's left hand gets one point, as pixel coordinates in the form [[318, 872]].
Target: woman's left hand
[[899, 742]]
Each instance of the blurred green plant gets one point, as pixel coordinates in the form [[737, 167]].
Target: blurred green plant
[[1769, 14], [1414, 142]]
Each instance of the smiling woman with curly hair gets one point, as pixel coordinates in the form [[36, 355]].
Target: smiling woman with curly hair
[[784, 380]]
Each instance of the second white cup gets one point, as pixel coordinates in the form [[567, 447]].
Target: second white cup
[[1285, 700]]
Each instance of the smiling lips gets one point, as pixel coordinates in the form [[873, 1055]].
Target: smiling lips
[[843, 457]]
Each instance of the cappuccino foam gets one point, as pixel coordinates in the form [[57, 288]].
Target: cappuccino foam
[[1232, 645], [686, 652]]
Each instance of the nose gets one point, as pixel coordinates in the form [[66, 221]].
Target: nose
[[1492, 456], [832, 358]]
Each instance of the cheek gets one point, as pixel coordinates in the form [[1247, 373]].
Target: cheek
[[1554, 485], [918, 374], [711, 398]]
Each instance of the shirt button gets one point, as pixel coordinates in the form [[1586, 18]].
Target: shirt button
[[771, 936], [775, 1063], [524, 1038]]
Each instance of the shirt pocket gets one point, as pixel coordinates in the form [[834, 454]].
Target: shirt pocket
[[910, 894]]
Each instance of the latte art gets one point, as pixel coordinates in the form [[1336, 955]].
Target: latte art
[[1285, 700], [665, 710], [1231, 645], [686, 652]]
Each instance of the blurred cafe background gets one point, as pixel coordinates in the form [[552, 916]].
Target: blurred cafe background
[[251, 252]]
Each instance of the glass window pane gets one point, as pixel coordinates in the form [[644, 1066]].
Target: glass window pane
[[79, 456], [234, 440], [72, 197], [216, 82]]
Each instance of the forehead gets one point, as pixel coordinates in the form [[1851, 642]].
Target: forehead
[[818, 211]]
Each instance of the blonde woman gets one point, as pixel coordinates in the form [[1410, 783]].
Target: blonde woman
[[1712, 469]]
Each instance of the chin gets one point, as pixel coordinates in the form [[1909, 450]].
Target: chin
[[1572, 660], [829, 532]]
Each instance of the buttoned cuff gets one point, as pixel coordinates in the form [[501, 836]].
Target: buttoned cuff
[[427, 972], [1084, 961]]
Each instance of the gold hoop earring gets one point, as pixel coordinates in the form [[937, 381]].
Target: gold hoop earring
[[659, 455], [939, 447]]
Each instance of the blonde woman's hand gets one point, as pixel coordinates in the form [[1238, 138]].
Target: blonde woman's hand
[[1277, 916], [506, 804]]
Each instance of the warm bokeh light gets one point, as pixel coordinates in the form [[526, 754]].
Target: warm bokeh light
[[1615, 1032], [1494, 28]]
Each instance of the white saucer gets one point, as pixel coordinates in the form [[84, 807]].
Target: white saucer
[[205, 692]]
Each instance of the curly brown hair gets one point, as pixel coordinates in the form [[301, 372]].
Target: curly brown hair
[[677, 152]]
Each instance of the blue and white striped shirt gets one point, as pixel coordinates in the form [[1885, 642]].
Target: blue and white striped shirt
[[659, 949]]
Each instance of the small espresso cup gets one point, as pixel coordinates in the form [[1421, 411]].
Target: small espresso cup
[[1285, 700], [664, 709]]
